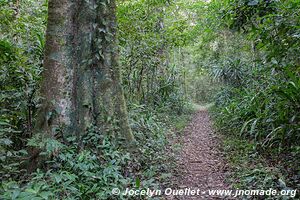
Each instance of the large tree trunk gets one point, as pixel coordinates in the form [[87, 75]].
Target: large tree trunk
[[81, 81]]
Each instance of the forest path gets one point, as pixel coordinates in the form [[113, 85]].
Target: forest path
[[200, 160]]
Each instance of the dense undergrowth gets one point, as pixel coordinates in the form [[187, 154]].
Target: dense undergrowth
[[257, 108], [253, 170], [171, 52], [91, 170]]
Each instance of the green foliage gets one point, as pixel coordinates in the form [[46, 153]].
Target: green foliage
[[146, 38], [171, 52], [91, 168], [73, 174], [87, 167], [21, 47], [254, 53], [263, 98], [251, 169], [265, 110]]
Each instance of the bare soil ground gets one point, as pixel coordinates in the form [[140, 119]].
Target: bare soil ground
[[200, 162]]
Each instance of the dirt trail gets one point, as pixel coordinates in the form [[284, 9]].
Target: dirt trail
[[200, 160]]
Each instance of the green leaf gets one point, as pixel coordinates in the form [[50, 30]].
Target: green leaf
[[46, 195], [137, 182]]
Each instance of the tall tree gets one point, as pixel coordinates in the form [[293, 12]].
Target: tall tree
[[81, 81]]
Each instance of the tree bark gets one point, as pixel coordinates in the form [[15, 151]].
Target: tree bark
[[81, 79]]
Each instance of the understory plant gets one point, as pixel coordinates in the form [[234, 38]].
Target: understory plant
[[90, 169], [257, 64]]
